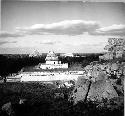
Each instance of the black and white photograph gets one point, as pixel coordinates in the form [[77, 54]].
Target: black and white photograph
[[62, 58]]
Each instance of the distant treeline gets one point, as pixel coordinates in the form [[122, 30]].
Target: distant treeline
[[13, 63], [80, 60]]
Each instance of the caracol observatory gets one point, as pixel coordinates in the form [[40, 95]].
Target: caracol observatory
[[52, 62]]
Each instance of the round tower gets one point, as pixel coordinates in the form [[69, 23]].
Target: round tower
[[52, 58]]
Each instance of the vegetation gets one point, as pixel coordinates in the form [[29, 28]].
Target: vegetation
[[13, 63], [41, 100]]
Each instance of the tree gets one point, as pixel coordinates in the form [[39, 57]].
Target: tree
[[116, 47]]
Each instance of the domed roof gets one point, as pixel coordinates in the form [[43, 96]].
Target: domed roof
[[51, 56]]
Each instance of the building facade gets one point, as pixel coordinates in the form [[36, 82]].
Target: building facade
[[52, 62]]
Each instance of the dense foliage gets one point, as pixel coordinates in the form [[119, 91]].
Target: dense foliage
[[41, 100], [14, 63]]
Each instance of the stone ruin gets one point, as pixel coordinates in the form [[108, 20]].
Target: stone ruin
[[92, 91], [101, 80], [100, 83]]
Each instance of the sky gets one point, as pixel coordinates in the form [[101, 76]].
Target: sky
[[63, 27]]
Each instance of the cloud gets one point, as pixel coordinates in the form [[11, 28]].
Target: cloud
[[67, 27], [114, 30], [4, 34], [49, 42], [5, 42]]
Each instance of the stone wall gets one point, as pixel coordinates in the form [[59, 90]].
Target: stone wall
[[102, 81]]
